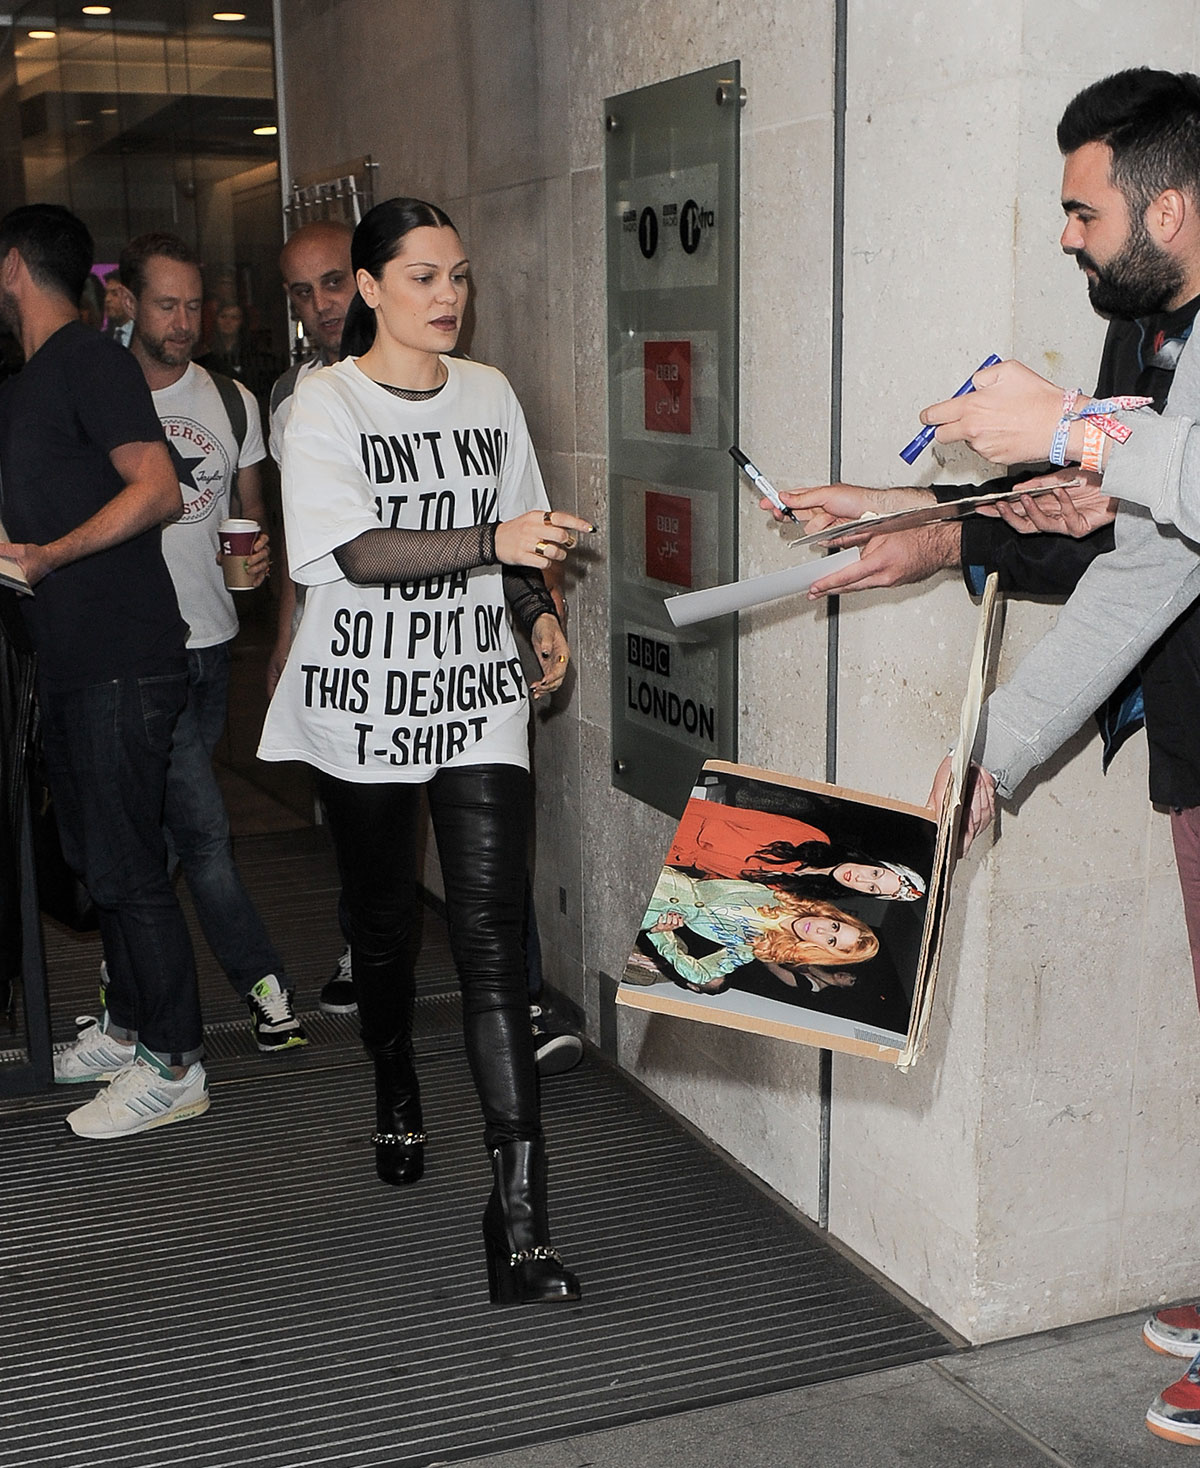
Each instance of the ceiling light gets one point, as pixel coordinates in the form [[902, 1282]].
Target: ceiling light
[[97, 10], [41, 35], [266, 132], [228, 15], [108, 112]]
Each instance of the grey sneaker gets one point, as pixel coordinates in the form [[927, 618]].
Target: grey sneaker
[[141, 1098], [93, 1055]]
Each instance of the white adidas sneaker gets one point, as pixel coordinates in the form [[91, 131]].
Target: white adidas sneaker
[[93, 1055], [141, 1098]]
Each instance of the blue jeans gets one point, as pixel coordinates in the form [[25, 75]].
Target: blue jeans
[[107, 747], [197, 828]]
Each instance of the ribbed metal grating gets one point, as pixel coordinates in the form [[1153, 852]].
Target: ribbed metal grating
[[229, 1047], [240, 1289]]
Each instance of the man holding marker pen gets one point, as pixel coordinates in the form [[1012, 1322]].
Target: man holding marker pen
[[1131, 192]]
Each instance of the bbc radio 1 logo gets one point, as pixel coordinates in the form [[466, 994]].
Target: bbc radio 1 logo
[[691, 221]]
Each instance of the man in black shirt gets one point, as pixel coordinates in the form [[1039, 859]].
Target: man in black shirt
[[87, 482]]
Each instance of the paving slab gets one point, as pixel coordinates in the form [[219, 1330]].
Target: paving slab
[[1083, 1390], [910, 1417]]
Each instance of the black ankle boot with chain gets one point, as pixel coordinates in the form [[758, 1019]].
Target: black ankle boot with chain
[[399, 1136], [523, 1268]]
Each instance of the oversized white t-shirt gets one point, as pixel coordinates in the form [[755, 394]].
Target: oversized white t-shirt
[[387, 683], [205, 453]]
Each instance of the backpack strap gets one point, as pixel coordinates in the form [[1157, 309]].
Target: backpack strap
[[285, 386], [234, 404]]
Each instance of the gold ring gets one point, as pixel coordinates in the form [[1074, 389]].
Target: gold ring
[[571, 542], [540, 549], [546, 520], [562, 657]]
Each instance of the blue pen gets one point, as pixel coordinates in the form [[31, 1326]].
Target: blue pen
[[760, 481], [911, 452]]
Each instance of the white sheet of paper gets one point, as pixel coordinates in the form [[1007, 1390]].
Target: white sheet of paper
[[737, 596]]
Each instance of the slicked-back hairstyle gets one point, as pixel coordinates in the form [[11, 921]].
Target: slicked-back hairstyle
[[132, 265], [377, 240], [55, 245], [1151, 121]]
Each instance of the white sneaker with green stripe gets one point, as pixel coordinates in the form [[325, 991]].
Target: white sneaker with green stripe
[[93, 1055], [143, 1096]]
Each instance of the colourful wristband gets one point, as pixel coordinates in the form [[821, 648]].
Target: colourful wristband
[[1093, 447], [1058, 445], [1100, 412]]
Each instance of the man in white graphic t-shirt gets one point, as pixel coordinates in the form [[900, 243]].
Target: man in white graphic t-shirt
[[215, 440]]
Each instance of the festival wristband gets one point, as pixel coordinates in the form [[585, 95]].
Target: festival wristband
[[1093, 446], [1100, 412], [1058, 446]]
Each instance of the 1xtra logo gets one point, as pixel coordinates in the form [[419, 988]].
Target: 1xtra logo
[[693, 221]]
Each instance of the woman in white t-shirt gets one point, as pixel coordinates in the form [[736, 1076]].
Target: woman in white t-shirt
[[415, 516]]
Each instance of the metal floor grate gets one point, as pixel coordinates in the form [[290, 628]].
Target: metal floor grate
[[229, 1047], [240, 1290]]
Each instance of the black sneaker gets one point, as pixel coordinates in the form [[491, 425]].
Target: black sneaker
[[555, 1053], [275, 1024], [337, 997]]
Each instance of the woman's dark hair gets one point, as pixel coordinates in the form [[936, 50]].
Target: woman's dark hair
[[1151, 122], [798, 884], [807, 854], [377, 239]]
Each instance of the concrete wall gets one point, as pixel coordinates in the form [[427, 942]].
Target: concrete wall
[[1038, 1166]]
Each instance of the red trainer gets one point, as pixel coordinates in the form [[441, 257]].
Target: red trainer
[[1174, 1332], [1175, 1414]]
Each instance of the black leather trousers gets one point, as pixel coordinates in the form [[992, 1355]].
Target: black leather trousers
[[480, 820]]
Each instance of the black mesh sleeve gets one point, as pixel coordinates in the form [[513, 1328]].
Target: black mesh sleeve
[[377, 557], [526, 592]]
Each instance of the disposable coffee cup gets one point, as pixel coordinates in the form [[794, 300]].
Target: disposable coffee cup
[[237, 539]]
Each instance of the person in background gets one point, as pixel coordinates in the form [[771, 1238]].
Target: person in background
[[91, 303], [118, 324], [215, 441], [226, 348], [88, 483]]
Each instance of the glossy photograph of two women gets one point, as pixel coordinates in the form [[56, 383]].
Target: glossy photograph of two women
[[788, 908]]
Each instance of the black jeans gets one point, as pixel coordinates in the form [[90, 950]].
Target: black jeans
[[480, 819], [107, 747]]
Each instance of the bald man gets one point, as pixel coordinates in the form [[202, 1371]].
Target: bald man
[[319, 284]]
